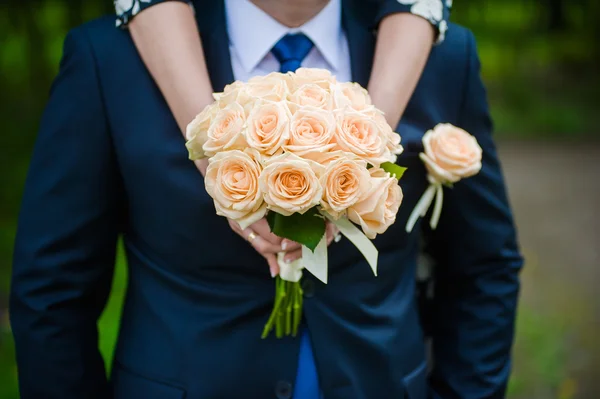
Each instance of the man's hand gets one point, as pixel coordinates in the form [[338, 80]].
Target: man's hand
[[269, 245]]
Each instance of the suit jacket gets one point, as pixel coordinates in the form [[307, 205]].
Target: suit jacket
[[110, 161]]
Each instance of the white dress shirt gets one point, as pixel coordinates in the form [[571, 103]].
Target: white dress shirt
[[253, 33]]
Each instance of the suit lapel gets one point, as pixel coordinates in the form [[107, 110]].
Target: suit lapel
[[361, 42], [215, 40]]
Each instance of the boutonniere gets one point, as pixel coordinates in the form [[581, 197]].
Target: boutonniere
[[450, 154]]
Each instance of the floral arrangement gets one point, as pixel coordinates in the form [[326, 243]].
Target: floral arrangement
[[301, 149]]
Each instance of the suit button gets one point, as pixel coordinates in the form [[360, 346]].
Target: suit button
[[283, 390], [308, 287]]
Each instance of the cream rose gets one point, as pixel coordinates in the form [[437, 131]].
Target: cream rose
[[197, 131], [311, 129], [390, 136], [237, 92], [345, 182], [226, 132], [268, 127], [352, 95], [228, 89], [272, 87], [291, 184], [232, 180], [317, 76], [450, 154], [359, 134], [310, 94], [325, 158], [377, 211]]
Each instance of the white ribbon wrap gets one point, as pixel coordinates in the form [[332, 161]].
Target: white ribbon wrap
[[360, 241], [316, 262], [291, 272], [434, 191]]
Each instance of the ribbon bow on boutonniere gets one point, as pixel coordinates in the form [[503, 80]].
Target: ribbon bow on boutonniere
[[450, 155]]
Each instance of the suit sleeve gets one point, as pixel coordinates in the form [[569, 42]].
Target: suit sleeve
[[478, 261], [65, 246]]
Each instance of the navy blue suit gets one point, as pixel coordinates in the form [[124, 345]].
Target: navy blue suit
[[110, 161]]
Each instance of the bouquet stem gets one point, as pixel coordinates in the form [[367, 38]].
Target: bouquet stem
[[287, 310]]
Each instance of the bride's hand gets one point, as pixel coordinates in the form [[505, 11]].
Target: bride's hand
[[269, 245], [294, 250], [264, 242]]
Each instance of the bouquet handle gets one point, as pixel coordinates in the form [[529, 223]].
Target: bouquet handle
[[287, 310]]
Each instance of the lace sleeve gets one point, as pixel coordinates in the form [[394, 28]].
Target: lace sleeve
[[127, 9], [435, 11]]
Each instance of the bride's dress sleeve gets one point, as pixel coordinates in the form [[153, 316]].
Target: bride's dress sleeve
[[127, 9], [435, 11]]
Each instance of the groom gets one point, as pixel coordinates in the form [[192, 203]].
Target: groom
[[110, 161]]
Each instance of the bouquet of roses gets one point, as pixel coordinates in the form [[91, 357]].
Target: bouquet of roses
[[301, 149]]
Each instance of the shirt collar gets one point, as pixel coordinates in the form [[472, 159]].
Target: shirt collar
[[253, 33]]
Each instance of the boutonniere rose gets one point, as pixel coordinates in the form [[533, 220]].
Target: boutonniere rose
[[450, 154]]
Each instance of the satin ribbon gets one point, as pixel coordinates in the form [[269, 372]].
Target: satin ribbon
[[360, 241], [289, 271], [434, 191], [316, 262]]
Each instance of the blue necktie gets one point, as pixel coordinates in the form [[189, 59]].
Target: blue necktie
[[291, 50]]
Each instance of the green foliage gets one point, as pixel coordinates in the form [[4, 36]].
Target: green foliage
[[307, 229], [541, 79], [395, 170]]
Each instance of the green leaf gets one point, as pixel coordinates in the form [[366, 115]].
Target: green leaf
[[306, 229], [395, 170]]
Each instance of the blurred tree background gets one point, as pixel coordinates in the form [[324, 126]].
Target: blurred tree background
[[540, 61]]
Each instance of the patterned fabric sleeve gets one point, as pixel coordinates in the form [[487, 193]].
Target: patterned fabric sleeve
[[435, 11], [127, 9]]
